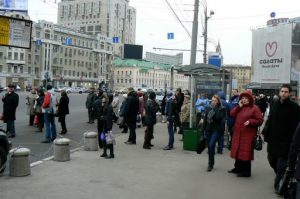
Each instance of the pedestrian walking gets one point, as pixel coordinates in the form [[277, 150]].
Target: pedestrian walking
[[89, 103], [98, 108], [171, 118], [279, 128], [212, 127], [10, 103], [131, 111], [201, 104], [106, 119], [248, 118], [38, 109], [294, 159], [151, 109], [185, 113], [63, 110], [30, 100], [221, 94], [233, 102], [115, 104], [49, 108], [123, 124], [179, 97]]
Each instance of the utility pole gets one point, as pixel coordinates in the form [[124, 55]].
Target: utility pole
[[205, 36], [193, 58]]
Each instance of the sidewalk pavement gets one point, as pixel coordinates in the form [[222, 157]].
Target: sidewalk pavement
[[137, 173]]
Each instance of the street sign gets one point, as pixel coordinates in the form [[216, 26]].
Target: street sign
[[38, 42], [15, 32], [171, 35], [115, 40], [68, 41]]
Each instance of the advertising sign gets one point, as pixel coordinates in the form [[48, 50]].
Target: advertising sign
[[295, 69], [271, 54], [14, 5], [15, 32]]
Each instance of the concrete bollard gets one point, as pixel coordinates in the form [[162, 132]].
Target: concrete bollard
[[158, 117], [19, 164], [90, 141], [61, 150]]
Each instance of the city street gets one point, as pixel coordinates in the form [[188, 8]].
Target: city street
[[26, 136]]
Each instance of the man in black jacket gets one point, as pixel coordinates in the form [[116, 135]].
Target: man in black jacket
[[130, 114], [278, 132], [294, 158], [10, 104]]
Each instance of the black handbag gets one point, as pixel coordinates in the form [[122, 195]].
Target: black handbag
[[201, 145], [287, 186], [258, 142]]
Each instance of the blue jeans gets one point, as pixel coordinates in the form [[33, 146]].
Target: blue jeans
[[221, 143], [212, 138], [171, 134], [10, 127], [50, 127]]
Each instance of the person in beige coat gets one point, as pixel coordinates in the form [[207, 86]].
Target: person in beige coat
[[30, 100], [185, 113]]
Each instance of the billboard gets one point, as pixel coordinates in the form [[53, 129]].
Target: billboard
[[215, 59], [14, 5], [15, 32], [295, 68], [133, 51], [271, 54]]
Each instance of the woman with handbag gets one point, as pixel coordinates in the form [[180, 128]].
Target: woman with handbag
[[212, 126], [63, 110], [248, 118]]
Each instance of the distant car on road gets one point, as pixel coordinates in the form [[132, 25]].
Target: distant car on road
[[5, 146], [1, 89], [17, 88], [79, 90]]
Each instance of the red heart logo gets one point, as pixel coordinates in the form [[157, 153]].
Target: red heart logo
[[271, 48]]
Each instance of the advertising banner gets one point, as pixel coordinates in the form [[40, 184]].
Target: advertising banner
[[295, 69], [271, 54], [14, 5], [15, 32]]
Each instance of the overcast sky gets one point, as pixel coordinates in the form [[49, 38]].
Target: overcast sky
[[231, 24]]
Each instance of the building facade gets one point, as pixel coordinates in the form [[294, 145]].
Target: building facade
[[175, 60], [240, 74], [112, 18], [143, 74], [61, 55]]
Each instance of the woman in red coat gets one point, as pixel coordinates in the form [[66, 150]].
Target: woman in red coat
[[248, 119]]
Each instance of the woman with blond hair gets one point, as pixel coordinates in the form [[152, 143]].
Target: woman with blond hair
[[212, 127]]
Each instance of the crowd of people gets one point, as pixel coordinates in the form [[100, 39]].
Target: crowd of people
[[241, 116]]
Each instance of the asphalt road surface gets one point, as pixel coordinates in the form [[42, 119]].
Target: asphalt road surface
[[26, 136]]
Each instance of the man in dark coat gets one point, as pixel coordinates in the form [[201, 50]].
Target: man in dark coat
[[150, 119], [90, 100], [279, 129], [130, 114], [171, 115], [10, 104], [294, 158], [179, 97]]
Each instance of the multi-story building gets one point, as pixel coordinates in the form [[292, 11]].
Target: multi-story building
[[62, 55], [113, 18], [175, 60], [144, 74], [240, 73]]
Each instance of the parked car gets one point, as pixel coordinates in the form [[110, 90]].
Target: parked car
[[5, 146], [17, 88], [79, 90], [1, 89]]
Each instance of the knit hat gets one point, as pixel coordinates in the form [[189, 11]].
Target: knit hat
[[130, 89], [49, 87], [169, 93]]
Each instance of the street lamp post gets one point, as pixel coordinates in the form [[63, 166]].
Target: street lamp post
[[206, 18]]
